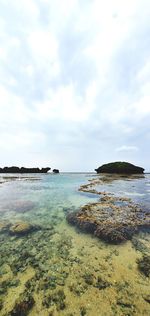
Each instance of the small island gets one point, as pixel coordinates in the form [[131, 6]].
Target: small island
[[55, 171], [120, 167], [23, 170]]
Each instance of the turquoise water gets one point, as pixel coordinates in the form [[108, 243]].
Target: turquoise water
[[49, 194], [55, 269]]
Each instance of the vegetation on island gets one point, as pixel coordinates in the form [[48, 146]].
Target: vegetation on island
[[55, 171], [120, 167], [23, 170]]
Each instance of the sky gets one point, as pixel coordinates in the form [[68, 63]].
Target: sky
[[74, 83]]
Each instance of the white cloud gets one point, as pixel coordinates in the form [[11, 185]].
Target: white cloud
[[64, 104], [12, 109], [127, 148], [142, 107], [43, 44], [22, 141], [82, 64]]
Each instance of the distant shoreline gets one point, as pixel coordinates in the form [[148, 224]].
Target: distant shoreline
[[23, 170]]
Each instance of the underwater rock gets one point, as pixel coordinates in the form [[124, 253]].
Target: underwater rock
[[83, 311], [115, 234], [20, 206], [119, 167], [1, 304], [21, 228], [147, 298], [4, 226], [55, 298], [23, 305], [88, 278], [78, 288], [102, 284], [144, 265], [7, 284], [141, 242]]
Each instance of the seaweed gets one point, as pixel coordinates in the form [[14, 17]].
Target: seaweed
[[23, 305], [144, 265]]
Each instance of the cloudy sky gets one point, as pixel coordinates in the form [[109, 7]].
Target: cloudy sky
[[74, 83]]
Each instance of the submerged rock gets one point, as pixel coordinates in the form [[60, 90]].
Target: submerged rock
[[23, 305], [20, 206], [119, 167], [57, 299], [21, 228], [144, 265], [4, 226]]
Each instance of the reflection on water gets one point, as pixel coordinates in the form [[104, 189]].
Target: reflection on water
[[49, 268]]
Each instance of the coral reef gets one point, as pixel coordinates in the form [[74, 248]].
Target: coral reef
[[113, 218], [110, 222]]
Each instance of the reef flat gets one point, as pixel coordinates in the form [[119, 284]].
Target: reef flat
[[114, 219], [49, 268]]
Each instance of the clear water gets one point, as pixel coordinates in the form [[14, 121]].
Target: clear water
[[136, 187], [58, 266], [49, 194]]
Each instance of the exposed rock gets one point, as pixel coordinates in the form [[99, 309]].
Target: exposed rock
[[55, 171], [111, 222], [21, 228], [23, 170], [119, 167], [114, 219]]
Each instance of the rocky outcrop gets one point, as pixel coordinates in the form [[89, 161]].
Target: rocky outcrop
[[120, 167], [23, 170], [110, 222], [114, 219], [55, 171]]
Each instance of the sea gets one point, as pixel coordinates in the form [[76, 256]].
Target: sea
[[50, 268]]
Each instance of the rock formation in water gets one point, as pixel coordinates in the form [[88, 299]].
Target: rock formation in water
[[114, 219], [110, 222], [55, 171], [120, 167], [23, 170]]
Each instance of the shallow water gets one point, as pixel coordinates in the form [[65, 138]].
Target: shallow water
[[57, 270]]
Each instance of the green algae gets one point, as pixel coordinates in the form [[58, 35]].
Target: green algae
[[144, 265]]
